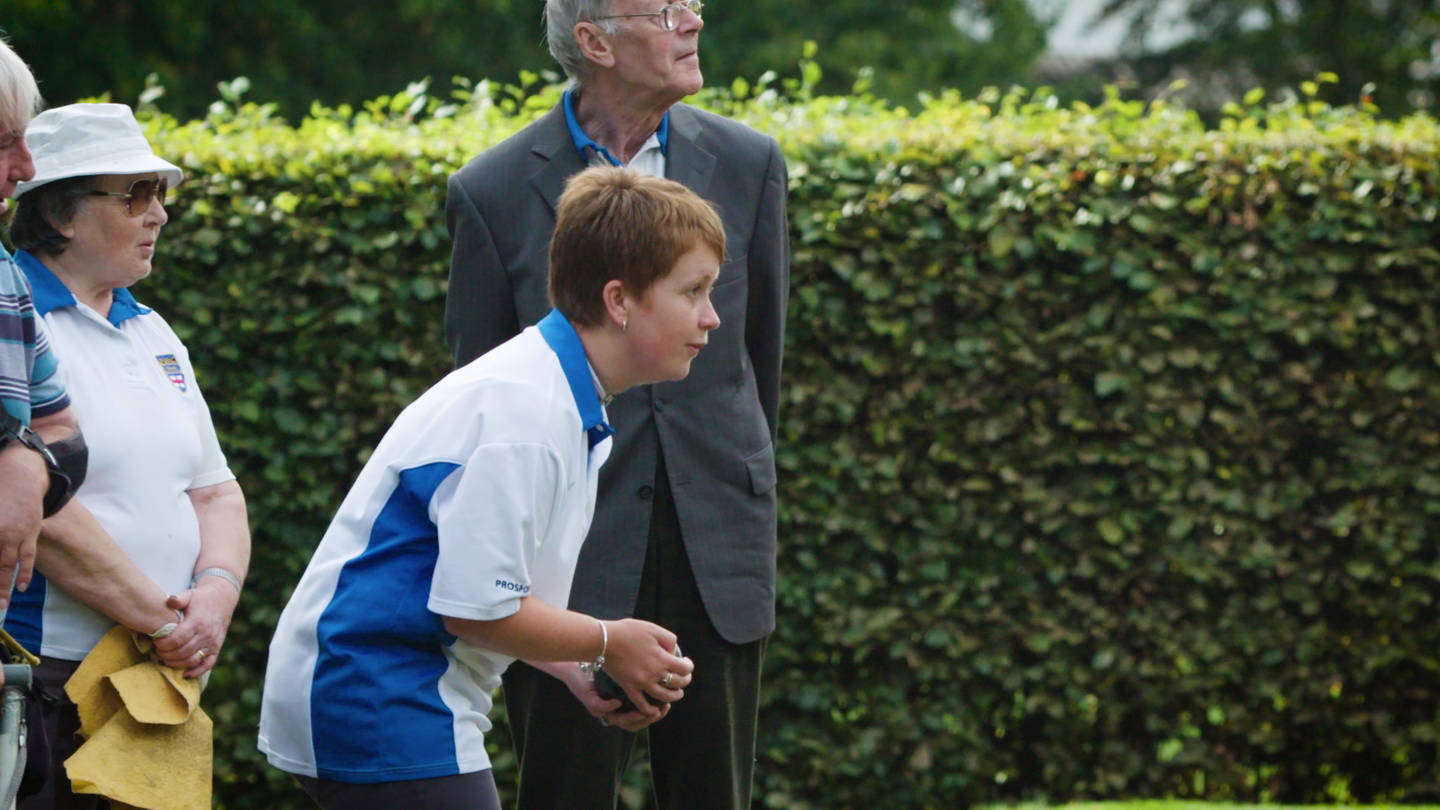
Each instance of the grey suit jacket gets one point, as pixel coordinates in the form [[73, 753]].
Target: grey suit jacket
[[717, 426]]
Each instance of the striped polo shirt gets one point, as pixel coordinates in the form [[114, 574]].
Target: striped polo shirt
[[29, 380]]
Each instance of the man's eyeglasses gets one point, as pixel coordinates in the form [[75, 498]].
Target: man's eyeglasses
[[137, 199], [9, 139], [669, 15]]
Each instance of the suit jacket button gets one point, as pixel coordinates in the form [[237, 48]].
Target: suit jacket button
[[645, 492]]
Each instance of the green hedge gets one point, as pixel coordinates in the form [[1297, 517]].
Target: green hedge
[[1110, 452], [1110, 458]]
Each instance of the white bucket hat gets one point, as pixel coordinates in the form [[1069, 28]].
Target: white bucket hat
[[79, 140]]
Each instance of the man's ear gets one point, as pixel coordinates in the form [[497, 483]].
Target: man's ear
[[594, 44]]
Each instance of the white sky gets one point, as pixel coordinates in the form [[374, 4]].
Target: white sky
[[1072, 35]]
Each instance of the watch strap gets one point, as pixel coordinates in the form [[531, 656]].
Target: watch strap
[[218, 572], [60, 489], [9, 428]]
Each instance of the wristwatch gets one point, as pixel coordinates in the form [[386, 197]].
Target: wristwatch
[[13, 430]]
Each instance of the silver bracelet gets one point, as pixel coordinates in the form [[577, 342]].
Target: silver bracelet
[[592, 667], [216, 572]]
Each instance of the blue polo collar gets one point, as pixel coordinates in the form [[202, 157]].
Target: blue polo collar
[[558, 332], [50, 293], [584, 142]]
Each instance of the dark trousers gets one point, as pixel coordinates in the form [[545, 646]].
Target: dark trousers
[[467, 791], [62, 726], [702, 754]]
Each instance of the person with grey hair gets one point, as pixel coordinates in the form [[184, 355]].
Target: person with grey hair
[[685, 529]]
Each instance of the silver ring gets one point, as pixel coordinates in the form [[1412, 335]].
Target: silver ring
[[603, 721], [665, 681]]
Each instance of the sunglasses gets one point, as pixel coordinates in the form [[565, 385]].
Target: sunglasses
[[137, 199]]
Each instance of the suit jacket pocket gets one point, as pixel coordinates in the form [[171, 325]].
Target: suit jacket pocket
[[761, 467]]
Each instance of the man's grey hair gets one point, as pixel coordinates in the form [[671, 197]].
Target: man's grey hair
[[19, 96], [560, 19]]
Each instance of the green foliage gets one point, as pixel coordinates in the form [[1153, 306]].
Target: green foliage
[[1110, 461], [1380, 51], [899, 49], [343, 52], [1150, 804], [293, 52]]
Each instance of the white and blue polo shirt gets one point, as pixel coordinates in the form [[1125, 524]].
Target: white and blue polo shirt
[[480, 493], [150, 439]]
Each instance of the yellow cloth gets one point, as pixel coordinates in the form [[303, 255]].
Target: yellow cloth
[[148, 744]]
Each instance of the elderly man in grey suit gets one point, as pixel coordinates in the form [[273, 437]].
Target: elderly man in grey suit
[[684, 530]]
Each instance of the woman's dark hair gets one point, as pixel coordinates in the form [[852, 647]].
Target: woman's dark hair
[[56, 202]]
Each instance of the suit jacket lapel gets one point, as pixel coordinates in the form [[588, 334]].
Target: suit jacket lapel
[[687, 161], [556, 156]]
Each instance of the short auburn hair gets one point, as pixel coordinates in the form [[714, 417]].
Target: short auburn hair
[[616, 223]]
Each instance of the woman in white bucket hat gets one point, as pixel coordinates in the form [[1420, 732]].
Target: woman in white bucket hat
[[87, 227]]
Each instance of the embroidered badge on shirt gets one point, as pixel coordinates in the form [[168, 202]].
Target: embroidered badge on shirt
[[172, 369]]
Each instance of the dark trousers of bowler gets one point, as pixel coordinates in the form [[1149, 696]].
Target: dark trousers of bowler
[[702, 754], [62, 724]]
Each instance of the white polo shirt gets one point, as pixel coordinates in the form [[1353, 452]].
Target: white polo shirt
[[150, 439], [480, 493]]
